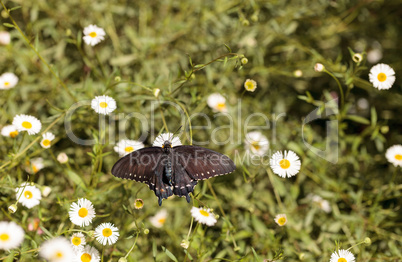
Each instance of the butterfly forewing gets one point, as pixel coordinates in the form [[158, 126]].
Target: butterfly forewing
[[202, 163], [139, 165]]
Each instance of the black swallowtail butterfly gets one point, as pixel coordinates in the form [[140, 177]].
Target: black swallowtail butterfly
[[171, 170]]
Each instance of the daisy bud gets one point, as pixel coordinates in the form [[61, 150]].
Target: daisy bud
[[146, 231], [319, 67], [384, 129], [357, 58], [301, 256], [62, 158], [298, 73], [117, 79], [254, 18], [185, 243], [244, 61], [367, 241], [68, 32], [236, 249], [122, 259], [156, 92], [91, 233], [139, 203], [245, 22], [13, 208]]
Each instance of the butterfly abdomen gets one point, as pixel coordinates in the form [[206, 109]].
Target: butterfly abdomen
[[168, 170]]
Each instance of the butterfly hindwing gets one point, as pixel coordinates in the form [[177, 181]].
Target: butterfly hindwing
[[139, 165], [202, 163]]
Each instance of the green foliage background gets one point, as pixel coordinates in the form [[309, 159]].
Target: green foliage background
[[148, 46]]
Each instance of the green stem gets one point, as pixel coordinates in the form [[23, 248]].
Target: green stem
[[37, 53], [271, 179], [339, 85], [193, 70], [131, 249]]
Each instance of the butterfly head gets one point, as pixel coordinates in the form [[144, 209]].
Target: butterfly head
[[167, 145]]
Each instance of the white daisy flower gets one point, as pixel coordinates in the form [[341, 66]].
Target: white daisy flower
[[5, 38], [217, 102], [203, 216], [342, 256], [126, 146], [77, 241], [11, 235], [9, 131], [103, 104], [107, 233], [35, 165], [319, 67], [382, 76], [88, 254], [8, 80], [27, 123], [321, 203], [281, 219], [250, 85], [93, 35], [82, 212], [159, 140], [62, 158], [257, 143], [394, 155], [57, 250], [159, 219], [28, 196], [47, 139], [285, 165]]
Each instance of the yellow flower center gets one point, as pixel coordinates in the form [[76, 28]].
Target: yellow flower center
[[129, 149], [398, 157], [76, 241], [103, 104], [221, 106], [139, 204], [46, 142], [255, 145], [13, 133], [92, 34], [86, 257], [35, 168], [161, 220], [58, 254], [6, 83], [342, 260], [284, 163], [83, 212], [4, 237], [26, 125], [281, 221], [381, 77], [204, 213], [107, 232], [249, 85], [28, 194]]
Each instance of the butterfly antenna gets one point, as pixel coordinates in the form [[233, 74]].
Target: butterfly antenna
[[175, 132]]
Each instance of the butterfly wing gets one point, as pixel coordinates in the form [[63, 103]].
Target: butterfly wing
[[139, 165], [147, 166], [202, 163]]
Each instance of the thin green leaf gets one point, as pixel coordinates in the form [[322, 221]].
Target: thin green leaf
[[358, 119], [8, 25], [76, 179], [228, 48], [169, 254]]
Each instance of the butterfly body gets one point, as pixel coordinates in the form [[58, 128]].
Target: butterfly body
[[171, 170]]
